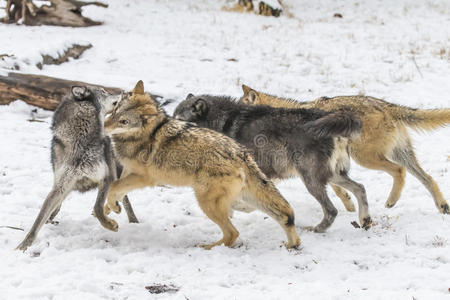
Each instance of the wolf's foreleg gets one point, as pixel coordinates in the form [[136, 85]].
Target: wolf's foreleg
[[115, 170], [129, 210], [343, 195], [122, 187], [319, 192], [360, 192]]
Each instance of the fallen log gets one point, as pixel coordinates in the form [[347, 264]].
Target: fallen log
[[38, 90], [44, 91]]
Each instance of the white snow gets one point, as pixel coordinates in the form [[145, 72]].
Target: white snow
[[180, 46]]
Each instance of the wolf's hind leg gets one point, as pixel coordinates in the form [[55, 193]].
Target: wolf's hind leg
[[359, 191], [406, 157], [99, 212], [54, 199], [268, 199], [344, 196], [53, 215], [216, 203]]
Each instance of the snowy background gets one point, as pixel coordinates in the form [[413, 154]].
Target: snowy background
[[395, 50]]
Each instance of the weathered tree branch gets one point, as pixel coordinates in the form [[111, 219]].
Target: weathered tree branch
[[74, 51], [264, 9], [59, 13]]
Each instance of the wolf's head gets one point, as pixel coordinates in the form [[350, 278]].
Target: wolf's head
[[135, 112], [253, 97], [192, 109], [97, 95], [250, 96]]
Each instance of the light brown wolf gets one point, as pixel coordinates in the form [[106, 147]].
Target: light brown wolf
[[156, 149], [384, 143]]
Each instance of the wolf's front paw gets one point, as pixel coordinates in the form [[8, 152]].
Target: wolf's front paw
[[444, 209], [293, 245], [112, 206]]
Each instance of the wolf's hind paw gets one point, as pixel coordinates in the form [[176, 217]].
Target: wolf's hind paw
[[23, 246], [366, 223], [389, 204], [111, 225], [316, 229]]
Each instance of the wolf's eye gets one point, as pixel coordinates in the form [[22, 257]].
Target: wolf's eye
[[114, 103], [123, 122]]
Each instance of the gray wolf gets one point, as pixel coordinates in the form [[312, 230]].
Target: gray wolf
[[81, 155]]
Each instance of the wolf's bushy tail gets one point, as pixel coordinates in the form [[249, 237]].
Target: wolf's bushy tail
[[340, 123], [422, 119]]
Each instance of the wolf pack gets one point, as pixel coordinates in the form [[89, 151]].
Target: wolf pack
[[229, 151]]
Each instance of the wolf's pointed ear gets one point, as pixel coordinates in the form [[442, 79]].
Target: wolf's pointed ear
[[252, 97], [200, 107], [246, 89], [80, 92], [139, 88], [189, 96]]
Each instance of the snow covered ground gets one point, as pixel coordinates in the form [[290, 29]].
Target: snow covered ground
[[396, 50]]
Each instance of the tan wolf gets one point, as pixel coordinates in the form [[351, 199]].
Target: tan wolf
[[384, 143], [156, 149]]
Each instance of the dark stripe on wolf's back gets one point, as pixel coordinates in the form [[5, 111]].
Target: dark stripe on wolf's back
[[158, 127]]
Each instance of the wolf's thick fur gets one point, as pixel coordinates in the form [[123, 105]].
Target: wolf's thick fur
[[156, 149], [309, 143], [385, 143], [81, 155]]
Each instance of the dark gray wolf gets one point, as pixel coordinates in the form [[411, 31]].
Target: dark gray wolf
[[156, 149], [309, 143], [81, 155]]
